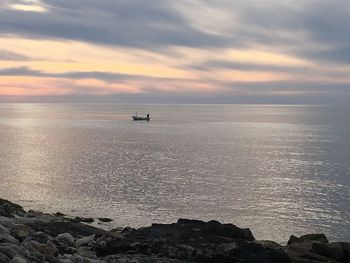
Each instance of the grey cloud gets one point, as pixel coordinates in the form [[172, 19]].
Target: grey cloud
[[133, 23], [11, 56], [225, 64], [105, 76], [297, 27]]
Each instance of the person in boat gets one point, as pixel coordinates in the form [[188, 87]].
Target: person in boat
[[148, 118]]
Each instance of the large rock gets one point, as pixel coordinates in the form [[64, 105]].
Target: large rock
[[308, 238], [8, 208]]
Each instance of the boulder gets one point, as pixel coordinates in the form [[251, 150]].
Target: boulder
[[66, 238]]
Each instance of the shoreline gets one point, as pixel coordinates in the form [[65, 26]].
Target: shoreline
[[32, 236]]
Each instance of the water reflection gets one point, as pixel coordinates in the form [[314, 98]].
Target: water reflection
[[280, 170]]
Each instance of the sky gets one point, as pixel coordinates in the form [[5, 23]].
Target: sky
[[190, 51]]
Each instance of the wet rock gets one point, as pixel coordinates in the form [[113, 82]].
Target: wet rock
[[79, 219], [105, 219], [59, 214]]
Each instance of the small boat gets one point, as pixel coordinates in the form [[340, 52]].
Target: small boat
[[137, 118]]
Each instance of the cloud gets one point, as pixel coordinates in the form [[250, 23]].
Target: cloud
[[105, 76], [136, 23], [11, 56]]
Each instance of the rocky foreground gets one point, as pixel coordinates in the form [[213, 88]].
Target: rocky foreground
[[38, 237]]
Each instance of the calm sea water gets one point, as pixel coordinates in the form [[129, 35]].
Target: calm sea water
[[279, 170]]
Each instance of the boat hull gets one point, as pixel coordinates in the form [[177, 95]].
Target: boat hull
[[136, 118]]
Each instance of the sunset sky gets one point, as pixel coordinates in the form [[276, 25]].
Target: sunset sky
[[229, 51]]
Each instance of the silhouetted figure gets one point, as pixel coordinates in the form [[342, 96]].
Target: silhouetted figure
[[148, 118]]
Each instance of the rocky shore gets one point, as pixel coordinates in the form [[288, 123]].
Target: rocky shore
[[39, 237]]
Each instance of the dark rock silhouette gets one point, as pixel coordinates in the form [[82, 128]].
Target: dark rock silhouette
[[39, 237]]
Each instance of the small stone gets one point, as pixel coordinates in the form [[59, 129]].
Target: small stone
[[105, 219], [84, 241]]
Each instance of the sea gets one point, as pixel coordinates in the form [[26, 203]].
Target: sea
[[276, 169]]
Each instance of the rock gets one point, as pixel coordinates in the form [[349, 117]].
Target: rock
[[6, 222], [334, 250], [6, 238], [18, 259], [226, 247], [59, 214], [314, 237], [55, 228], [105, 219], [84, 241], [308, 238], [216, 228], [86, 252], [40, 237], [48, 249], [10, 208], [66, 238], [4, 230], [4, 258], [82, 219], [20, 231], [11, 250]]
